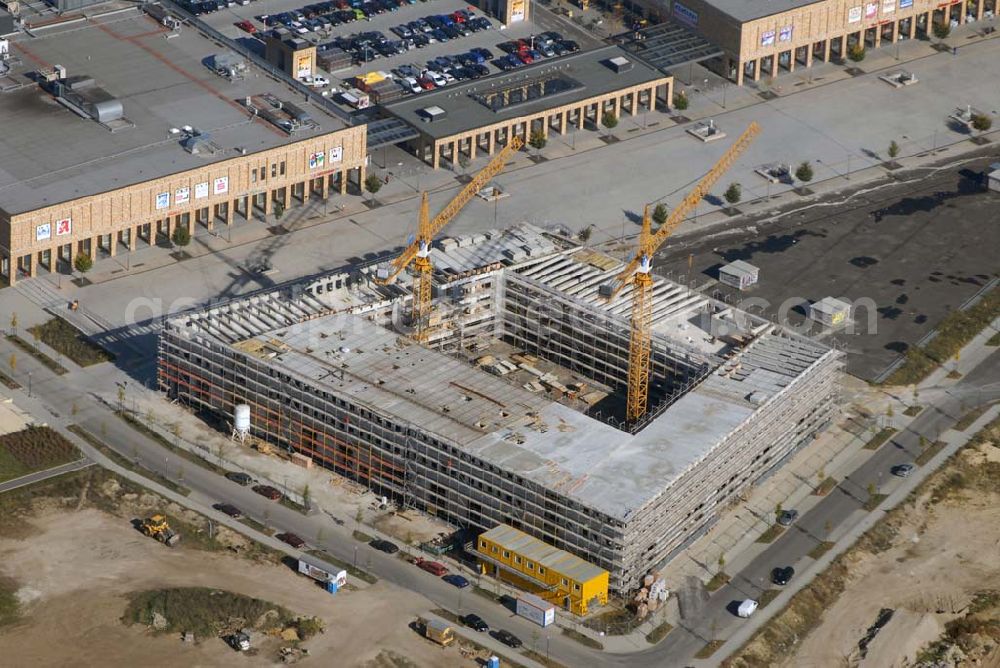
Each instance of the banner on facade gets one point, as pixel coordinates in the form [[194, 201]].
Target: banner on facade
[[903, 4], [785, 34], [43, 232], [888, 6], [336, 154], [221, 185], [317, 160], [767, 38], [163, 201], [685, 15], [64, 226], [201, 190], [854, 14], [182, 195], [871, 10]]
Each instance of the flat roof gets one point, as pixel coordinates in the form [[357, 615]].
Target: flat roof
[[749, 10], [830, 305], [50, 155], [740, 267], [529, 547], [464, 113]]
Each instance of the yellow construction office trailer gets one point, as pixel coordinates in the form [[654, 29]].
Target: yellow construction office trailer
[[554, 575]]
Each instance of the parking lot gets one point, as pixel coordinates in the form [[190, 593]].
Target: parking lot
[[916, 250], [395, 30]]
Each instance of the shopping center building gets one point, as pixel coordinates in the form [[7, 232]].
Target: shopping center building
[[762, 38], [118, 132]]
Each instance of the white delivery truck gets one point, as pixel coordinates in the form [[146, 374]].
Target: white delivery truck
[[747, 608], [540, 612]]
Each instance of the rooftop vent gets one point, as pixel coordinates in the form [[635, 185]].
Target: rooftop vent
[[620, 64], [431, 114]]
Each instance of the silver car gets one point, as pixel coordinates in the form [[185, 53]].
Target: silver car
[[902, 470]]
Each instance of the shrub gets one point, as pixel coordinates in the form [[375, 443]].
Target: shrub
[[981, 122], [805, 172], [856, 53], [182, 237], [734, 193], [941, 30], [584, 234], [681, 101], [609, 120], [537, 140], [660, 214], [373, 184], [893, 149], [83, 263]]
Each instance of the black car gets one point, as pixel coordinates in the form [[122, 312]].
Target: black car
[[291, 539], [384, 546], [229, 509], [476, 623], [570, 46], [508, 638], [781, 576], [241, 478]]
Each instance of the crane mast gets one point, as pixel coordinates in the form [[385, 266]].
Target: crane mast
[[418, 252], [638, 274]]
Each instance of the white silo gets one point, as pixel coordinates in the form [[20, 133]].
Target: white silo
[[241, 422]]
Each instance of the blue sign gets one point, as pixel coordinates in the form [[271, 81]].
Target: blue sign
[[685, 15], [903, 4]]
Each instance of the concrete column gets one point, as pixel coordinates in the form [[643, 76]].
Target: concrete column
[[112, 244], [306, 190], [562, 122], [740, 66], [980, 7], [473, 140], [230, 213], [545, 126], [436, 160], [343, 181], [878, 36], [913, 27], [491, 140], [774, 65], [791, 60], [171, 222], [324, 186], [809, 55]]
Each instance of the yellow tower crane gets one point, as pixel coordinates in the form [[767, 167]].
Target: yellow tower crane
[[419, 251], [637, 273]]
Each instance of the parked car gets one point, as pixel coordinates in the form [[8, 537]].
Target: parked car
[[384, 546], [436, 78], [570, 45], [475, 622], [229, 509], [508, 638], [746, 608], [781, 576], [410, 84], [456, 580], [241, 478], [902, 470], [316, 81], [268, 492], [246, 26], [787, 517], [291, 539], [432, 567]]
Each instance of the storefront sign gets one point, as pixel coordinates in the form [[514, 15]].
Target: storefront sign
[[767, 38], [43, 232], [903, 4], [336, 154], [163, 201], [888, 6], [854, 14], [64, 227], [871, 10], [785, 34], [517, 12], [201, 190], [317, 160], [685, 15], [182, 195], [221, 185]]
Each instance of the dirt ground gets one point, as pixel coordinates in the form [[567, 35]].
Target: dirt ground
[[942, 554], [76, 568]]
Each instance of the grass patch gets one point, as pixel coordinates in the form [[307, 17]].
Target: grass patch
[[954, 375], [351, 570], [826, 486], [538, 657], [207, 612], [659, 633], [33, 449], [613, 622], [446, 614], [929, 452], [46, 361], [257, 526], [485, 593], [583, 639], [873, 501], [955, 330], [767, 596], [125, 463], [879, 439], [718, 581], [10, 607], [971, 417], [914, 411], [65, 338], [994, 340], [9, 382], [771, 534], [821, 549], [709, 649], [361, 536]]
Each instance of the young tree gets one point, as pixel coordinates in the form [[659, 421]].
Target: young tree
[[805, 172], [660, 214], [609, 120], [722, 561], [13, 324], [306, 496], [681, 101], [941, 30], [537, 140], [83, 263], [584, 234], [981, 122], [856, 53], [893, 149], [12, 361], [182, 237], [733, 194], [279, 210], [358, 516], [373, 184], [871, 489], [777, 510]]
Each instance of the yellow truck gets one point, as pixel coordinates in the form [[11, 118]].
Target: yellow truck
[[438, 631]]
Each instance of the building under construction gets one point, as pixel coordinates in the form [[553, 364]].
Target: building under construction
[[513, 410]]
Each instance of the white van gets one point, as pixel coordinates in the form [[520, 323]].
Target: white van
[[747, 608]]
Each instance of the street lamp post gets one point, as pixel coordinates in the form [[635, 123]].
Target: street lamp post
[[29, 384], [355, 557]]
